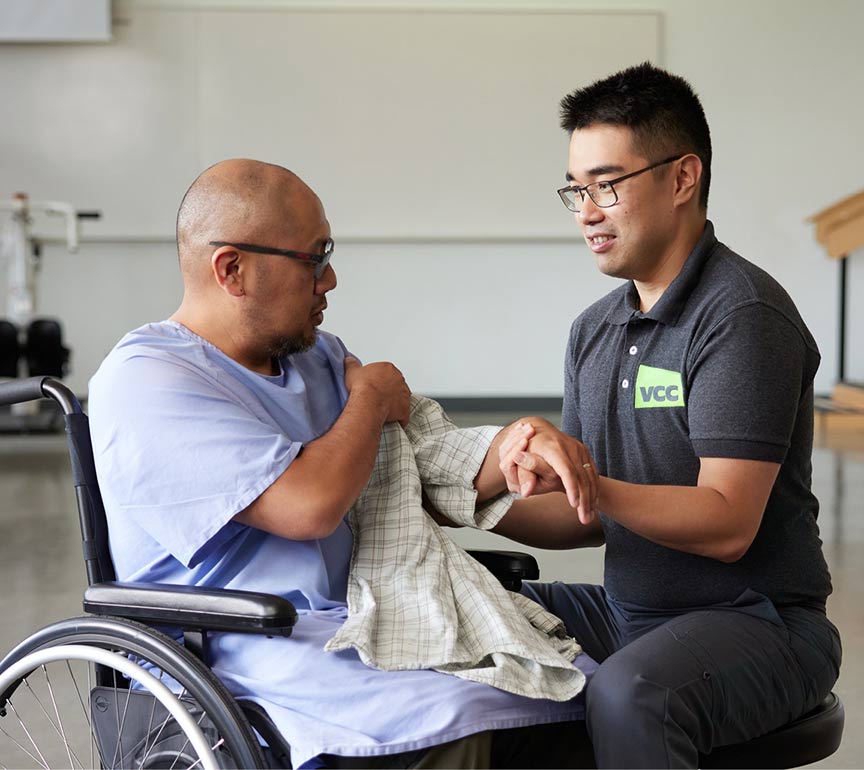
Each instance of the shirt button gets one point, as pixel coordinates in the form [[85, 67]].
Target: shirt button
[[625, 383], [633, 350]]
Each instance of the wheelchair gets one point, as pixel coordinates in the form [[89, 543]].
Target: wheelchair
[[114, 689]]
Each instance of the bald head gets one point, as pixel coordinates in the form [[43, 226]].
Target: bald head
[[239, 200]]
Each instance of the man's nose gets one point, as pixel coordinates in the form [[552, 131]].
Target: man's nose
[[327, 281], [589, 211]]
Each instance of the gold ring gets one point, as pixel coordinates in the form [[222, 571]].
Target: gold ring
[[586, 465]]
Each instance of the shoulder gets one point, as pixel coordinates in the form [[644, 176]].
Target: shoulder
[[157, 363], [732, 280], [731, 285], [154, 348]]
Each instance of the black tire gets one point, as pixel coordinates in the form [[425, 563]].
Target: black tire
[[203, 694]]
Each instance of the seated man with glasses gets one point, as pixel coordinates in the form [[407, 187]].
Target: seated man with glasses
[[231, 441], [692, 386]]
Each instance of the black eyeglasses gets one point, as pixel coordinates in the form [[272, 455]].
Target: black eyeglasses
[[320, 260], [603, 193]]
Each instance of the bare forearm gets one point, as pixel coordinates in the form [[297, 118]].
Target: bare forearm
[[312, 496], [698, 520], [345, 455], [718, 517], [548, 521]]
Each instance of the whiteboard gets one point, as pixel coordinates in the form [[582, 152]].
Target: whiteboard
[[409, 124], [59, 21]]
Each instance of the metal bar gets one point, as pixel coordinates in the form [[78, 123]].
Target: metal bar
[[841, 331]]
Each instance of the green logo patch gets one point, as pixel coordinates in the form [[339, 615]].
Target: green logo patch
[[658, 388]]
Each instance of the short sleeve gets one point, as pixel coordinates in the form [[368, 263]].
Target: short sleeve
[[570, 422], [448, 459], [181, 451], [745, 385]]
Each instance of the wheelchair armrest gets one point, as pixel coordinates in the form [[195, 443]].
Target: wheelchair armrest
[[510, 567], [190, 607]]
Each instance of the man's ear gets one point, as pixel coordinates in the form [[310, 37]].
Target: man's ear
[[227, 266], [687, 179]]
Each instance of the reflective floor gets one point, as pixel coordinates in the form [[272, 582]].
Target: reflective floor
[[42, 573]]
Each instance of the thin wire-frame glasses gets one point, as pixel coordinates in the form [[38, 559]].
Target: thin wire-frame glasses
[[603, 193], [320, 260]]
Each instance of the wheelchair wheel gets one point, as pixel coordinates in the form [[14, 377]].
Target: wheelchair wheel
[[97, 692]]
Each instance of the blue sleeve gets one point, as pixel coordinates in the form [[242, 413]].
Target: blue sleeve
[[181, 451]]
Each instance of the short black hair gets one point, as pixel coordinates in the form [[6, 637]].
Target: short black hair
[[661, 109]]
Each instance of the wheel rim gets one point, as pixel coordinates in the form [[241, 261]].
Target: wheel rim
[[213, 707], [38, 662]]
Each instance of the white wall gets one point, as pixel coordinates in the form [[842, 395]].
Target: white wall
[[478, 314]]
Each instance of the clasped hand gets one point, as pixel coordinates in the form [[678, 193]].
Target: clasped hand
[[535, 458], [387, 385]]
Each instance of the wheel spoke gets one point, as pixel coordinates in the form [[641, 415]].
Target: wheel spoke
[[90, 670], [41, 759], [56, 722], [41, 706], [52, 716], [125, 710], [84, 709], [69, 752], [147, 748], [186, 743], [161, 729], [118, 749], [22, 748]]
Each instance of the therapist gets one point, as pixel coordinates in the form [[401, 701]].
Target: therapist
[[688, 402]]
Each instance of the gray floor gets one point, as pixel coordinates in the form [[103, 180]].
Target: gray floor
[[42, 574]]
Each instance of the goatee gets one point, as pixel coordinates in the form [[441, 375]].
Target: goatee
[[290, 345]]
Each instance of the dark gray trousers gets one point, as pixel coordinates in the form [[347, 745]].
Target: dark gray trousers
[[671, 685]]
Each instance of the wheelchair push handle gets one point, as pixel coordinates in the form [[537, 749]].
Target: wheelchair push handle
[[35, 388]]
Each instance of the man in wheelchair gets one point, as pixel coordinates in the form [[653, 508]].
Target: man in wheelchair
[[230, 441]]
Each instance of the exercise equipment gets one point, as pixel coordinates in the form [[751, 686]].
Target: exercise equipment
[[31, 345]]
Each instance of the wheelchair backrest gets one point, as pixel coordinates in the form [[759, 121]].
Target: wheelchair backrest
[[91, 512]]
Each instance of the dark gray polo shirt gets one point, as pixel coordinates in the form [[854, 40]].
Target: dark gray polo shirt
[[721, 366]]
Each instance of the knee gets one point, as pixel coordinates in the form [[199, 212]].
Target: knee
[[629, 695], [638, 719], [615, 690], [627, 691]]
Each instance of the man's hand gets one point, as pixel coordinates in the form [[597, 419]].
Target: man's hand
[[536, 458], [514, 438], [385, 383]]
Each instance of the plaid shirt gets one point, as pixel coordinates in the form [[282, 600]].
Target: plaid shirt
[[416, 600]]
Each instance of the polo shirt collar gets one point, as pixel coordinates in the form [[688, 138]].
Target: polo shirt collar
[[668, 308]]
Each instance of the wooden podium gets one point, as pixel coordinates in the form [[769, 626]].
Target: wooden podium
[[840, 229]]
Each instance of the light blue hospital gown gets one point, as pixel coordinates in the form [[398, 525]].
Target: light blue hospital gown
[[184, 439]]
